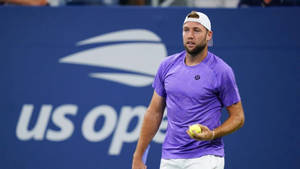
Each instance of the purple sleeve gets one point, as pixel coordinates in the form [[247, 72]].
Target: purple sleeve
[[158, 83], [228, 90]]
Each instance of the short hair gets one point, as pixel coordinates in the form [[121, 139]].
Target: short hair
[[193, 14]]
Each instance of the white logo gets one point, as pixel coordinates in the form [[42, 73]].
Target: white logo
[[138, 52], [114, 125]]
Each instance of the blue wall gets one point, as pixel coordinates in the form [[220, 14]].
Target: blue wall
[[85, 113]]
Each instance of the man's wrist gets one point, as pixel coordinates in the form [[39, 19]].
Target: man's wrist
[[213, 135], [137, 155]]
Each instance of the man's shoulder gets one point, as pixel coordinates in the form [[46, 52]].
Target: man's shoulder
[[172, 59], [218, 65]]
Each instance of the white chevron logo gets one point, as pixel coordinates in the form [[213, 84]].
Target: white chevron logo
[[138, 51]]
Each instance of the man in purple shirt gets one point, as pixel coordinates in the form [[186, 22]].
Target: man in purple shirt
[[194, 85]]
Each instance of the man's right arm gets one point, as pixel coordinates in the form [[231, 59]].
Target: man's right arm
[[151, 123]]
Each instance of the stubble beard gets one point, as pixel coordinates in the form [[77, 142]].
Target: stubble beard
[[197, 50]]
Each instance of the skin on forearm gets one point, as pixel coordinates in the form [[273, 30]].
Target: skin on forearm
[[151, 123], [150, 126], [235, 121]]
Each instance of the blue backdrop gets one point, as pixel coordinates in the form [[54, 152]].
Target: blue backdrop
[[75, 82]]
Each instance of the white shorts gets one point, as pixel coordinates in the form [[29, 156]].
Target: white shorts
[[204, 162]]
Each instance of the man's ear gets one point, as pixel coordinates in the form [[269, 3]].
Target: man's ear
[[209, 35]]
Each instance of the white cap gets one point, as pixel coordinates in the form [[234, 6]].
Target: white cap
[[202, 19]]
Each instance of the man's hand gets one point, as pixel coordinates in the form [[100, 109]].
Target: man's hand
[[206, 134], [138, 164]]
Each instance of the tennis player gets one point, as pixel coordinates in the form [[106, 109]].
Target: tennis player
[[194, 85]]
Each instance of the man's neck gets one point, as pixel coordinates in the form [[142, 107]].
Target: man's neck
[[192, 60]]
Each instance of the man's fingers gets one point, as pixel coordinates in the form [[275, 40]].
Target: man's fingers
[[189, 133], [203, 135], [203, 128]]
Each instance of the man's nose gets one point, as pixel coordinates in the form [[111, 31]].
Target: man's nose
[[190, 35]]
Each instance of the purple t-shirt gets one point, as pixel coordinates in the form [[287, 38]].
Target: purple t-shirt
[[194, 94]]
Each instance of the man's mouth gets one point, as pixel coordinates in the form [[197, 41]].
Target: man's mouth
[[190, 44]]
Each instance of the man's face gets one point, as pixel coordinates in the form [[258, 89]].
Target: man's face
[[195, 37]]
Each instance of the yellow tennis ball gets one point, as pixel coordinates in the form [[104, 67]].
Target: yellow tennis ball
[[194, 127]]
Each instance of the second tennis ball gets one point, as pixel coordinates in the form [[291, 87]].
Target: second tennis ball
[[194, 127]]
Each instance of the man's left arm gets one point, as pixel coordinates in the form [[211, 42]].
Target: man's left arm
[[229, 95], [234, 121]]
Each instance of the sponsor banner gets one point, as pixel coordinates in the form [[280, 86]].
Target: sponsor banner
[[76, 82]]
